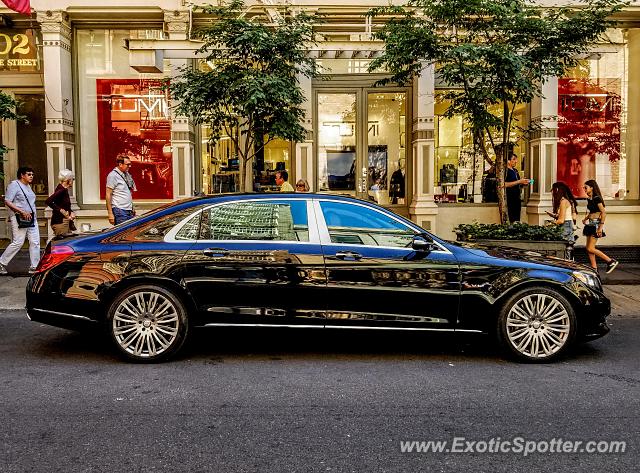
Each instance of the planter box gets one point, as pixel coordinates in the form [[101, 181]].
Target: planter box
[[560, 249]]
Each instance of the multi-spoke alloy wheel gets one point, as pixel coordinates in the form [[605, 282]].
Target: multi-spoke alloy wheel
[[537, 324], [147, 323]]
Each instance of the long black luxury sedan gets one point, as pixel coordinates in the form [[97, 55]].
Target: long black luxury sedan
[[306, 261]]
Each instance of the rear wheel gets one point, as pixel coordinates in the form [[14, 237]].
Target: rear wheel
[[147, 323], [536, 324]]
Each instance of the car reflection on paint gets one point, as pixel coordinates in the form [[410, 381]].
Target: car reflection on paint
[[306, 261]]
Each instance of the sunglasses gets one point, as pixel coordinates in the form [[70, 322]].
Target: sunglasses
[[29, 174]]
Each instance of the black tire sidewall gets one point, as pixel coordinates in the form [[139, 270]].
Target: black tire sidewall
[[183, 327], [503, 338]]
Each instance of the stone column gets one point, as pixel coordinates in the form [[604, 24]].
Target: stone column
[[58, 80], [543, 149], [304, 151], [423, 209], [186, 172]]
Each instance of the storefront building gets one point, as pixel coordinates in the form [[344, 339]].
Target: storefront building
[[90, 79]]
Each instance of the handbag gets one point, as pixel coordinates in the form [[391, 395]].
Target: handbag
[[72, 226], [23, 222]]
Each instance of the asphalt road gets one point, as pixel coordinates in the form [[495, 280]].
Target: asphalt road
[[299, 401]]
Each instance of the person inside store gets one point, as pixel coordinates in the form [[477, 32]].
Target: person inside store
[[302, 186], [565, 209], [513, 182], [594, 225], [282, 181], [118, 197], [21, 202], [62, 217]]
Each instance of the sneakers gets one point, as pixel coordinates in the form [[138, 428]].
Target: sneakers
[[611, 265], [32, 270], [3, 269]]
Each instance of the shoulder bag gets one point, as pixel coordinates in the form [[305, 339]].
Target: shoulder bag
[[23, 222]]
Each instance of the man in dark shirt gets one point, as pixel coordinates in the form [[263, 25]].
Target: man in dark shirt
[[512, 183]]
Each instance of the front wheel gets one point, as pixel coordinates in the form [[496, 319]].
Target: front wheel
[[536, 324], [147, 323]]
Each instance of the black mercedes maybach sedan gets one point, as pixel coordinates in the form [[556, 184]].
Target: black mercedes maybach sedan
[[306, 261]]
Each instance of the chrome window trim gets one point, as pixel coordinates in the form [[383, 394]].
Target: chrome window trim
[[314, 237], [325, 238]]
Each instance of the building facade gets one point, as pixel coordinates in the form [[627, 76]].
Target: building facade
[[89, 78]]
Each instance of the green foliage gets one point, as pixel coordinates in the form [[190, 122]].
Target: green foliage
[[514, 231], [250, 88], [495, 54]]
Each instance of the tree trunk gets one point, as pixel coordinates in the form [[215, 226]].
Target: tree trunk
[[501, 163]]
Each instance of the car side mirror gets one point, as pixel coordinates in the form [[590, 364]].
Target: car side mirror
[[422, 243]]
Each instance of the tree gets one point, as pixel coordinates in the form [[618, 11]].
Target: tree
[[251, 92], [8, 106], [495, 54]]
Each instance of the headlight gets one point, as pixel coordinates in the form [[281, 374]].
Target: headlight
[[589, 279]]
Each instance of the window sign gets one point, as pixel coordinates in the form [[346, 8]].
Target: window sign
[[133, 120], [19, 51]]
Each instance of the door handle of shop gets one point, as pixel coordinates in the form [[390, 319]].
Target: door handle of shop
[[216, 252], [348, 256]]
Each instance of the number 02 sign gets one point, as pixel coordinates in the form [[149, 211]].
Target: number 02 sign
[[19, 51]]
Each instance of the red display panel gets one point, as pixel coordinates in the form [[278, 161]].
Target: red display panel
[[588, 125], [133, 120]]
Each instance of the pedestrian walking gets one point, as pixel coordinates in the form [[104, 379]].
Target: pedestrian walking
[[21, 202], [513, 182], [62, 217], [594, 225], [565, 209], [118, 195]]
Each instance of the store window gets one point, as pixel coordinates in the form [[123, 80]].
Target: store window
[[337, 132], [122, 113], [387, 163], [30, 139], [462, 174], [593, 118]]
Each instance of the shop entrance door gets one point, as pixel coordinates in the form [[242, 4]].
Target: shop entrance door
[[362, 143]]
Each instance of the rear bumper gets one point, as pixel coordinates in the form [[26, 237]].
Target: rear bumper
[[61, 319]]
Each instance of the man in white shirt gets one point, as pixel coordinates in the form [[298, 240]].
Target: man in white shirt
[[118, 193]]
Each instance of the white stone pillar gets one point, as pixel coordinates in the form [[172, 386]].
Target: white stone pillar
[[304, 151], [423, 209], [543, 151], [185, 174], [58, 80]]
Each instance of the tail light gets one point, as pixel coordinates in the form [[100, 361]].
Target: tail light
[[53, 256]]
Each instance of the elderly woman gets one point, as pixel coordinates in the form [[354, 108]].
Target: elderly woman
[[62, 216]]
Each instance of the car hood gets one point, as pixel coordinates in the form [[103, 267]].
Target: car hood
[[519, 255]]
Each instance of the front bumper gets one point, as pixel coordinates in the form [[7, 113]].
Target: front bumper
[[592, 316]]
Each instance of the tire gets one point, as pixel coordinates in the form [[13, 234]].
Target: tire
[[147, 323], [536, 325]]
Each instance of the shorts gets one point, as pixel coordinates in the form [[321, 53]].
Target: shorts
[[591, 228]]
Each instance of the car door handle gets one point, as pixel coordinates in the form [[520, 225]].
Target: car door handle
[[348, 256], [215, 252]]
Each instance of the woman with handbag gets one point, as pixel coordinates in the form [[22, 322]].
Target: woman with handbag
[[594, 225], [62, 218], [21, 201]]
